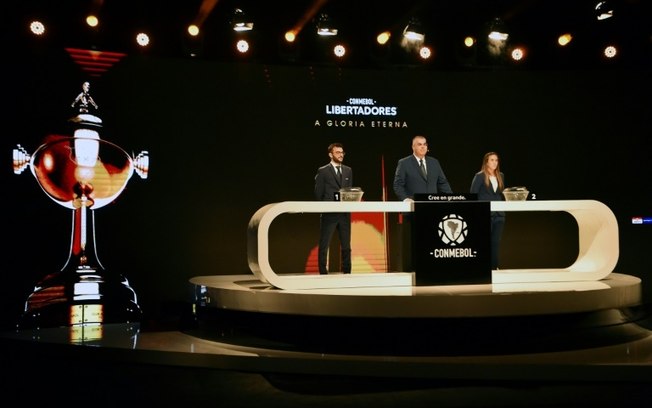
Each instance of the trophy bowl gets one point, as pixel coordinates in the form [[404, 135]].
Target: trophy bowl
[[516, 193], [68, 167], [351, 194]]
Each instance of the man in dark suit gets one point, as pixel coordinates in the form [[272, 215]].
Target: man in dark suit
[[329, 180], [416, 174], [419, 173]]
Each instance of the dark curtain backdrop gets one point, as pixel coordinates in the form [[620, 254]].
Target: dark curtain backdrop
[[227, 139]]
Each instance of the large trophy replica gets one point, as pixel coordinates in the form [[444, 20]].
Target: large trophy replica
[[82, 173]]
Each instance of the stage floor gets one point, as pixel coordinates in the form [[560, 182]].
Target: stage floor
[[478, 345]]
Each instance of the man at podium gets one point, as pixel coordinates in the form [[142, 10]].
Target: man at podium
[[419, 173]]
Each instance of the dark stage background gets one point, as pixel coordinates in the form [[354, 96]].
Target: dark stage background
[[227, 139]]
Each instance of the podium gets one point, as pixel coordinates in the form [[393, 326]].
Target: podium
[[451, 240], [597, 237]]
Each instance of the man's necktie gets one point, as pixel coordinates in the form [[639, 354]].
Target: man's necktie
[[339, 173], [423, 169]]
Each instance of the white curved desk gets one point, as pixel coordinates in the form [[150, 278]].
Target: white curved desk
[[597, 229]]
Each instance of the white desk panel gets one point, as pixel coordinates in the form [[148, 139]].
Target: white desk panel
[[597, 229]]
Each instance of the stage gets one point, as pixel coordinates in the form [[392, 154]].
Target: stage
[[249, 344]]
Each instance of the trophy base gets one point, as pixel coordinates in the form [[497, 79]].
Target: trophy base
[[82, 296]]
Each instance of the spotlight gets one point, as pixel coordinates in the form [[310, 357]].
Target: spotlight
[[610, 51], [92, 20], [425, 53], [37, 28], [239, 21], [518, 54], [603, 10], [290, 36], [194, 41], [242, 46], [339, 50], [564, 39], [142, 39], [193, 30], [466, 51], [497, 38], [383, 37], [497, 30], [325, 26], [413, 31]]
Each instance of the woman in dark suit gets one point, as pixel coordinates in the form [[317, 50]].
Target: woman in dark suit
[[489, 184]]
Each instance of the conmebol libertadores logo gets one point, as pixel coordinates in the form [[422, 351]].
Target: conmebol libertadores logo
[[361, 113]]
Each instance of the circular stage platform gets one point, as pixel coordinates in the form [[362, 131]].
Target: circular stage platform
[[246, 293], [485, 319], [249, 344]]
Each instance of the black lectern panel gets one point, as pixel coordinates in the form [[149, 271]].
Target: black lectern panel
[[451, 241]]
